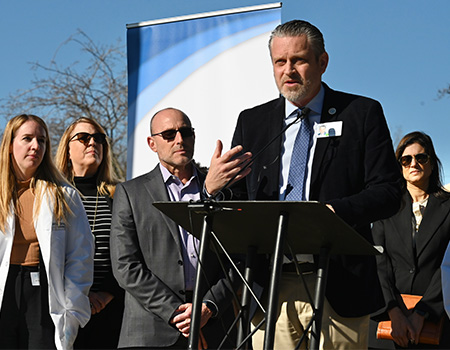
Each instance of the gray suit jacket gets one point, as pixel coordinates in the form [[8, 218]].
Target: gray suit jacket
[[146, 255]]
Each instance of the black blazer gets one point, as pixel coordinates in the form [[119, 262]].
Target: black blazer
[[146, 253], [356, 173], [405, 271]]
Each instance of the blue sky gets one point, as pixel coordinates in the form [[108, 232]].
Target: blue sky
[[397, 52]]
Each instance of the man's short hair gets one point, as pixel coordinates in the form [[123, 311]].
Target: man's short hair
[[298, 27]]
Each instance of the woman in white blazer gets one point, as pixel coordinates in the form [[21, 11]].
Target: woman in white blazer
[[46, 246]]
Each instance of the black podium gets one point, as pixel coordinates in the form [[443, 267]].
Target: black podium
[[309, 227]]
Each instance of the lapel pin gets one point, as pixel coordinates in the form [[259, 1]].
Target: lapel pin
[[332, 111]]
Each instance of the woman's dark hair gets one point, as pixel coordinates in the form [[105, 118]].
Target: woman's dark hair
[[435, 182]]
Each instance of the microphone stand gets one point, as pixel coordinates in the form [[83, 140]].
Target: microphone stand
[[300, 116], [208, 208]]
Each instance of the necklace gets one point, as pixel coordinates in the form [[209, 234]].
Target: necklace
[[95, 214]]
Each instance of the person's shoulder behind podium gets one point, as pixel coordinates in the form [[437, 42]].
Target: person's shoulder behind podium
[[153, 258]]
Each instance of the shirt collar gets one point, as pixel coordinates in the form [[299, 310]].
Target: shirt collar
[[167, 175]]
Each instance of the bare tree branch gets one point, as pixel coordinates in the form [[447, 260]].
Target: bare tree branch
[[444, 92], [94, 86]]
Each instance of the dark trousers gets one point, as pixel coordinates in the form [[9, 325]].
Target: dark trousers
[[103, 329], [25, 321]]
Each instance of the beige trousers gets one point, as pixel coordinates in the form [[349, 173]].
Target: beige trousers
[[295, 312]]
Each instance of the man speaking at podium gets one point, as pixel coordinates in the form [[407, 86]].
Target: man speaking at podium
[[353, 170]]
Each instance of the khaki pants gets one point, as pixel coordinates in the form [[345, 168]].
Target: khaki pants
[[295, 312]]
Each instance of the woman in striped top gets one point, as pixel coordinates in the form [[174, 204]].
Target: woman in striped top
[[84, 157]]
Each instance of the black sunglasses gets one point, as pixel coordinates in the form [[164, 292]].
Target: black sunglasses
[[170, 134], [421, 158], [85, 137]]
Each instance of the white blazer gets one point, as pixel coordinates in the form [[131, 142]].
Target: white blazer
[[67, 252]]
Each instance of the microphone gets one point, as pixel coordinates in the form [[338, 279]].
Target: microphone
[[300, 116]]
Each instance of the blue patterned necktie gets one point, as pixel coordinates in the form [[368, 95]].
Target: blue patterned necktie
[[298, 169]]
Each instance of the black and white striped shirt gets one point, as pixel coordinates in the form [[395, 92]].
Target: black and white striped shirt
[[99, 214]]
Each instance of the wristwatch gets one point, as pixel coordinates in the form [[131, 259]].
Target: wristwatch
[[422, 313], [210, 305]]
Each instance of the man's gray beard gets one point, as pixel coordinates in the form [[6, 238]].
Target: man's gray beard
[[296, 95], [293, 96]]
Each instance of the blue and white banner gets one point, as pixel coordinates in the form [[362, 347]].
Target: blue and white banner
[[211, 66]]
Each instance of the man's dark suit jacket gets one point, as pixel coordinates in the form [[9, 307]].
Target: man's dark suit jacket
[[405, 271], [356, 173], [146, 253]]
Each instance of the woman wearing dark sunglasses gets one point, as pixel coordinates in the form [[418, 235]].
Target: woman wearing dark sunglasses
[[84, 157], [414, 242]]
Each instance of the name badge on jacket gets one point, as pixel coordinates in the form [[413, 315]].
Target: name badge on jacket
[[331, 129]]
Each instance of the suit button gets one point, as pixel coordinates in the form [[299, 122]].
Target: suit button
[[180, 262], [412, 270], [182, 292]]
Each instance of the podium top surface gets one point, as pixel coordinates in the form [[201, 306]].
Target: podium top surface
[[239, 224]]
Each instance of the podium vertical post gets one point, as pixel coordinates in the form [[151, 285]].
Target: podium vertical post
[[319, 297], [196, 302], [244, 328], [272, 310]]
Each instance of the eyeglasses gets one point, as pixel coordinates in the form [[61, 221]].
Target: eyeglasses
[[170, 134], [85, 137], [421, 158]]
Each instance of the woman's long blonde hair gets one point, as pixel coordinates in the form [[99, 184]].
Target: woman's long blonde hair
[[47, 178], [106, 179]]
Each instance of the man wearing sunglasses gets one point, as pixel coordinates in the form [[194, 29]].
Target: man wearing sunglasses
[[352, 170], [154, 259]]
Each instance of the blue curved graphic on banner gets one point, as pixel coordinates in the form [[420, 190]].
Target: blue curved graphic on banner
[[156, 91], [182, 39], [161, 56]]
